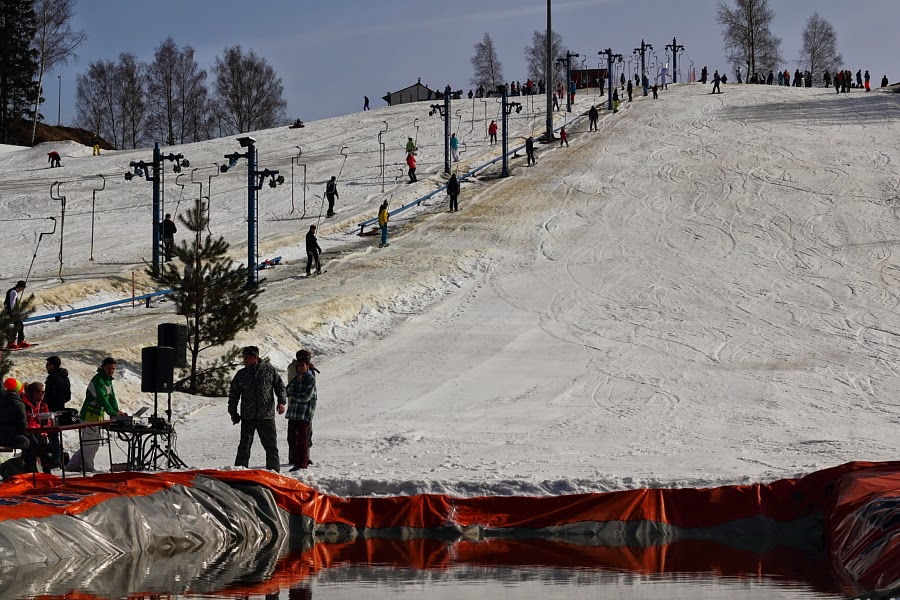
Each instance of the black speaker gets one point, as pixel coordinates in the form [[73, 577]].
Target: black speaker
[[157, 369], [174, 336]]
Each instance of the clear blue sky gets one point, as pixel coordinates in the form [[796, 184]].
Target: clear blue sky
[[331, 53]]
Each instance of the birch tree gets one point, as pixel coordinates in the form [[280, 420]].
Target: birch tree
[[747, 35], [55, 42], [819, 52], [486, 64]]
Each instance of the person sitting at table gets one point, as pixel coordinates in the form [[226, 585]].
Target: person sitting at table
[[14, 424], [33, 398], [100, 400]]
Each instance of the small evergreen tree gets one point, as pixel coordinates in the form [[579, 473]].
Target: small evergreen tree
[[213, 297], [24, 308]]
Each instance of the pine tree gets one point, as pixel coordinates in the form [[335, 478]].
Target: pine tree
[[211, 295], [18, 62]]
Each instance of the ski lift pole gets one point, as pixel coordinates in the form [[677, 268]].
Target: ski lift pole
[[38, 245], [93, 204], [62, 222], [344, 154], [296, 161], [209, 197], [382, 152]]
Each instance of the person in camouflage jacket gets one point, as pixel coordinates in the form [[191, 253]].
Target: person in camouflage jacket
[[253, 388]]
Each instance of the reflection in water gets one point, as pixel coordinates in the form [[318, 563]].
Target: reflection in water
[[387, 567]]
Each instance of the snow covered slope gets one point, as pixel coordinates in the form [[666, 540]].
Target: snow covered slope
[[702, 292]]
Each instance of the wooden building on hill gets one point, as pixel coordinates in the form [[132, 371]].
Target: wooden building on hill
[[413, 93]]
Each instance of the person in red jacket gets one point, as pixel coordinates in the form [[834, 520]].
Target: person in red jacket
[[411, 163], [492, 131], [563, 137]]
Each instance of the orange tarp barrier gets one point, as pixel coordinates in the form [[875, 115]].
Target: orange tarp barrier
[[859, 501]]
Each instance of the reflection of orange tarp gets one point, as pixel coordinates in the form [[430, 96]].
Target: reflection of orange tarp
[[861, 503], [690, 557]]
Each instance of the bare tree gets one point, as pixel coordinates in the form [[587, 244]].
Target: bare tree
[[193, 97], [249, 95], [747, 36], [161, 77], [89, 111], [488, 70], [55, 41], [97, 100], [536, 57], [819, 53], [131, 75]]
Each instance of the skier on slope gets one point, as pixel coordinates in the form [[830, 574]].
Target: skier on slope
[[411, 163], [492, 132], [454, 147], [312, 251], [331, 193], [453, 192]]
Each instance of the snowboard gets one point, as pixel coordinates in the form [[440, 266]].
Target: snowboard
[[384, 245], [315, 274], [17, 349]]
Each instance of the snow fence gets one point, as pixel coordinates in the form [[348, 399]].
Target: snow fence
[[852, 512]]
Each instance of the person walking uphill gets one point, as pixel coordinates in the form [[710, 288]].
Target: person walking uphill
[[529, 150], [563, 137], [302, 396], [383, 218], [312, 251], [253, 388], [593, 117], [453, 192], [99, 401]]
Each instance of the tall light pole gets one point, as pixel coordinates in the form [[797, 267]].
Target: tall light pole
[[548, 85], [255, 180], [568, 62], [674, 47], [58, 99], [643, 50], [610, 57]]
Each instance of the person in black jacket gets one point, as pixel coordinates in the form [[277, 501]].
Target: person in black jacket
[[312, 251], [169, 229], [13, 424], [331, 193], [593, 117], [57, 393], [529, 150], [453, 192], [253, 388]]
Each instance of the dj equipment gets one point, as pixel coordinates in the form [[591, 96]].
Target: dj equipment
[[157, 369], [174, 336]]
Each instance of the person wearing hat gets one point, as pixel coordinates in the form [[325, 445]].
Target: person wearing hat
[[253, 387], [99, 401], [14, 423], [9, 305]]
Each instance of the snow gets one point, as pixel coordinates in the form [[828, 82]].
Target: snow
[[704, 292]]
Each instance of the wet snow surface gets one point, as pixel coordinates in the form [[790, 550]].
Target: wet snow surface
[[703, 292]]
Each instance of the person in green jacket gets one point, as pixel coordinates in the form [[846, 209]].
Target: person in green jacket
[[99, 401]]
